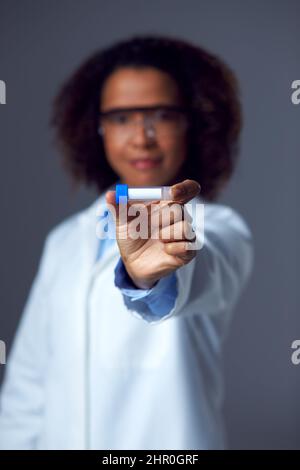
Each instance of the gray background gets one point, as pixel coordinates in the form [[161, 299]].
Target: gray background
[[41, 41]]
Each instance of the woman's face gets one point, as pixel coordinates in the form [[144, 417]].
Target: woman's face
[[139, 157]]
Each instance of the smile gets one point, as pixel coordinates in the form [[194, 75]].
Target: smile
[[145, 163]]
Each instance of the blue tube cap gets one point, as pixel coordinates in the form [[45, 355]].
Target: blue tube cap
[[121, 190]]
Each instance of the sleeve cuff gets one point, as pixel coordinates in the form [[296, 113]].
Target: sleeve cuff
[[157, 301], [124, 282]]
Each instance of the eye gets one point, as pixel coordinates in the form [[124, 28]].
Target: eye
[[119, 118], [167, 115]]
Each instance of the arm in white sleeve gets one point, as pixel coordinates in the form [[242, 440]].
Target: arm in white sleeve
[[22, 393]]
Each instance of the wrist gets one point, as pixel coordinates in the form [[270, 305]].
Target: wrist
[[141, 283]]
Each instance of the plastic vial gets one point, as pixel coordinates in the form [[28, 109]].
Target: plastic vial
[[154, 193]]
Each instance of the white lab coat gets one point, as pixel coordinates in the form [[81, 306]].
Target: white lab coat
[[85, 372]]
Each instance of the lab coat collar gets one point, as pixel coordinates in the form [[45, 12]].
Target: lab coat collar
[[90, 213], [88, 219]]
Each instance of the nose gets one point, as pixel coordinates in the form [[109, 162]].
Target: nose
[[143, 134]]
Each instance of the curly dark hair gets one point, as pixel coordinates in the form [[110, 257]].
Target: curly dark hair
[[208, 86]]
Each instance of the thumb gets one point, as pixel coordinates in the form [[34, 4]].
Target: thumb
[[110, 197]]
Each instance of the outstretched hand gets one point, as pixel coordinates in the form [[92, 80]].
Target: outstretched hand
[[168, 231]]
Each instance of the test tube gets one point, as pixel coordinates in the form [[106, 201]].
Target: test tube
[[154, 193]]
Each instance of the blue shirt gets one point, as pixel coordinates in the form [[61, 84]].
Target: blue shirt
[[157, 301]]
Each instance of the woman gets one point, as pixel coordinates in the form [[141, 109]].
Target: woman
[[120, 342]]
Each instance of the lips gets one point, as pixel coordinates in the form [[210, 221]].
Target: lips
[[145, 163]]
